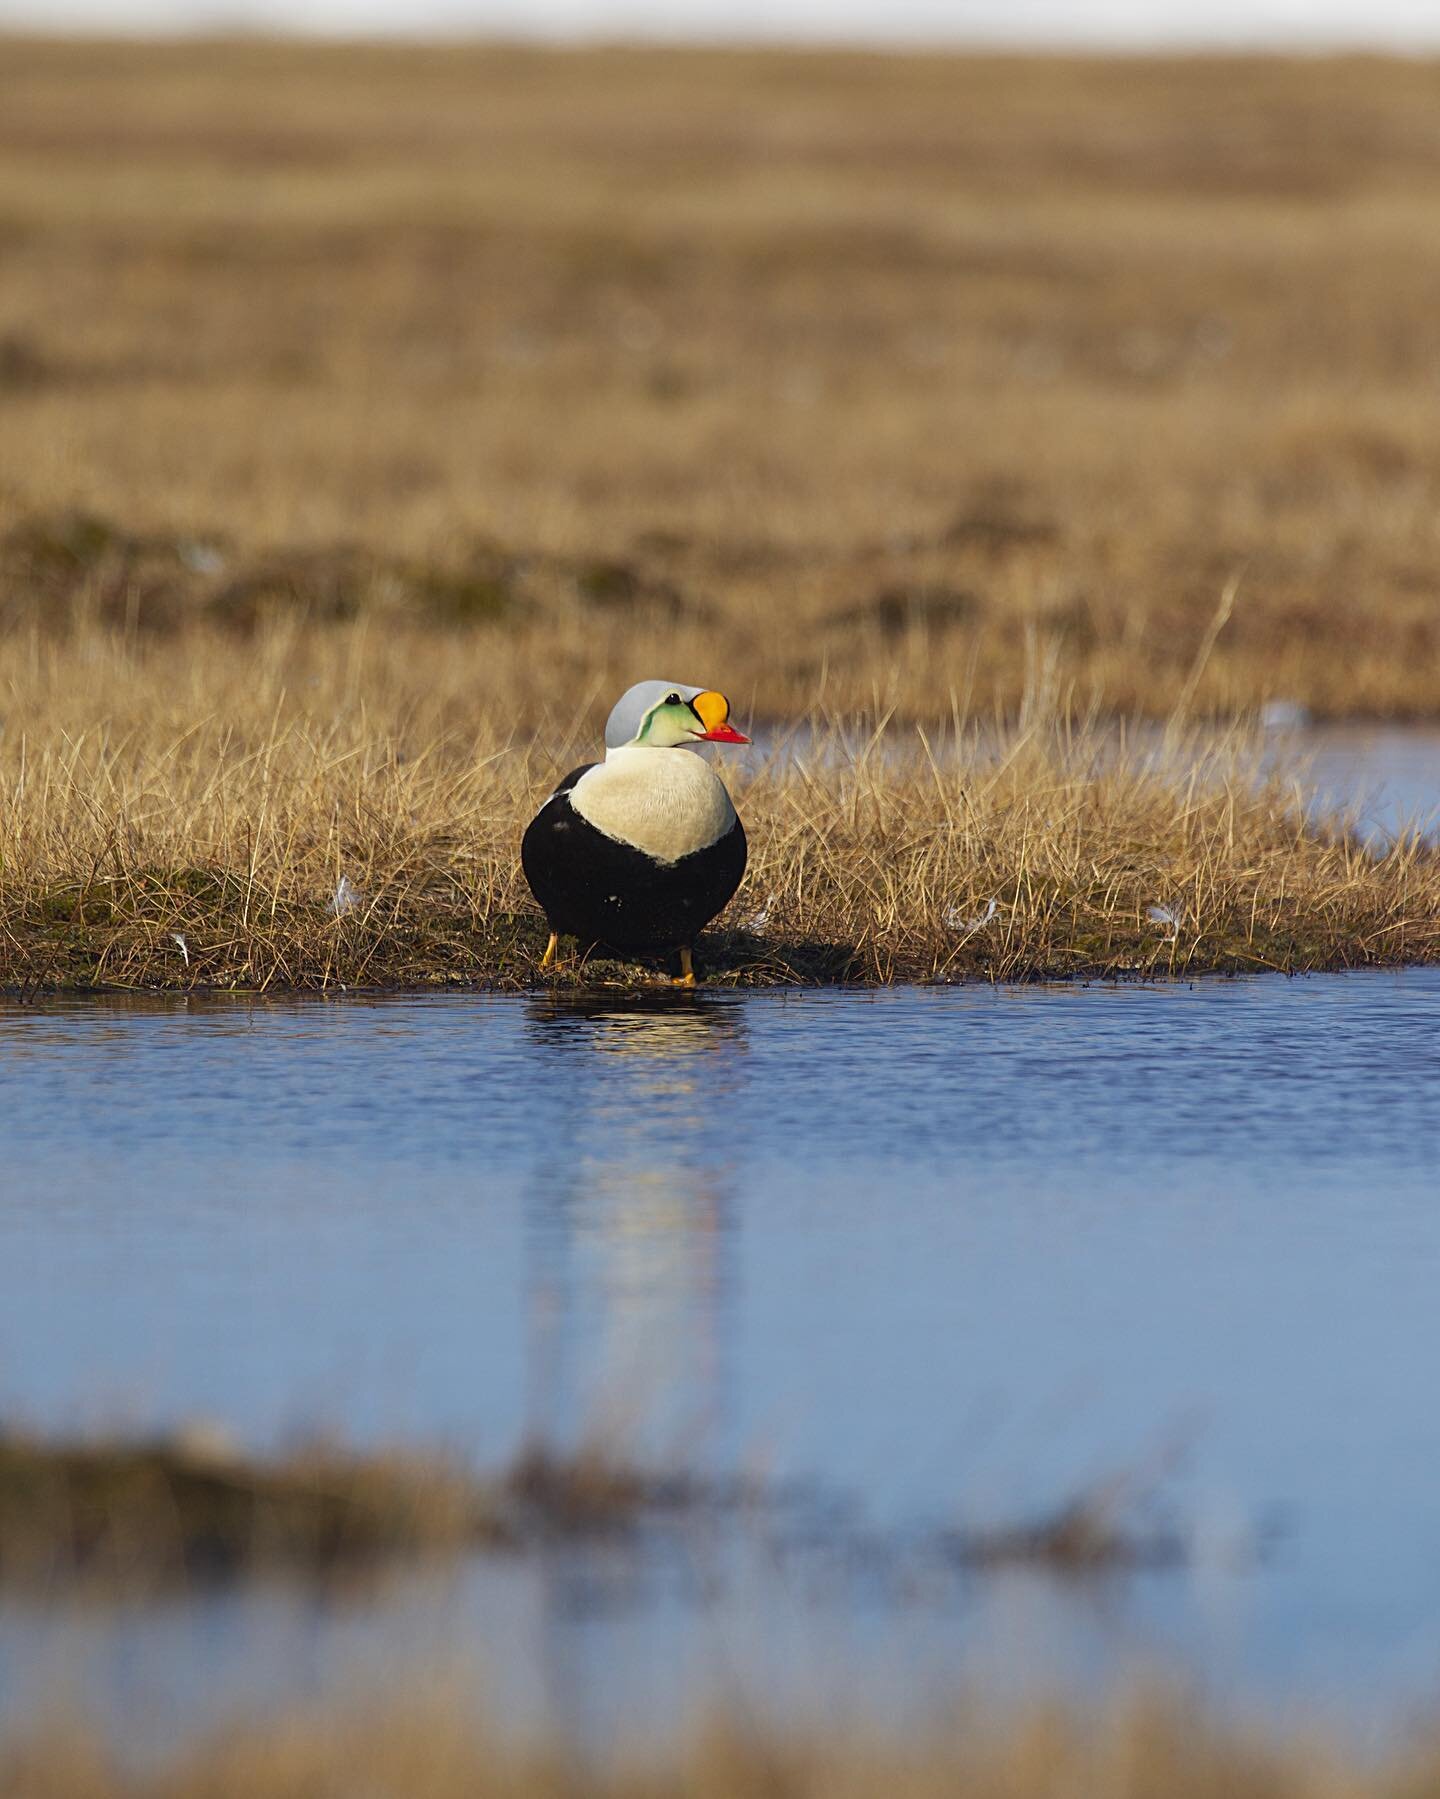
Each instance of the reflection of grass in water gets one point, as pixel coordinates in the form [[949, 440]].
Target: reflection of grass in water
[[432, 1747]]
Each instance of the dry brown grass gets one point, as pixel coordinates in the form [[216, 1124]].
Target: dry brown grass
[[836, 378], [431, 1748], [373, 417], [178, 819]]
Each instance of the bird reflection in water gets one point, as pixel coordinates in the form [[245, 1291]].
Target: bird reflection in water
[[630, 1302], [629, 1226]]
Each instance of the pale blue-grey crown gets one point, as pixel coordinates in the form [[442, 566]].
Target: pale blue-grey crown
[[628, 712]]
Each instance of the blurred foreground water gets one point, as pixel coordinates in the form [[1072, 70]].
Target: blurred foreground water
[[951, 1254]]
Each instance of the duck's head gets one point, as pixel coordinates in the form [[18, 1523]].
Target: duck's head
[[666, 715]]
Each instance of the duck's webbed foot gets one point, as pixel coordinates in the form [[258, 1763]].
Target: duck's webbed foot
[[686, 976]]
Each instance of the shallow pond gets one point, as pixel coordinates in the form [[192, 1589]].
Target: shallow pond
[[1386, 776], [952, 1254], [1382, 780]]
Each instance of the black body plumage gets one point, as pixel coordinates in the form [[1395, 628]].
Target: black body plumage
[[606, 892]]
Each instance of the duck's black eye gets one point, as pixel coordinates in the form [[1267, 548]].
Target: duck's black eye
[[672, 699]]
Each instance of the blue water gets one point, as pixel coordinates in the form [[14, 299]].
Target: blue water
[[1384, 777], [952, 1254]]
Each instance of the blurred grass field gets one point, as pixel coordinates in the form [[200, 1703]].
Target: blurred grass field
[[427, 1745], [817, 374]]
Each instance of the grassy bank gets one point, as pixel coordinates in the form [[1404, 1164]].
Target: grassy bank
[[374, 417], [124, 1515], [318, 811], [432, 1749], [834, 379]]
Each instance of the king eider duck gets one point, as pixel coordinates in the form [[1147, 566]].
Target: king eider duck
[[639, 852]]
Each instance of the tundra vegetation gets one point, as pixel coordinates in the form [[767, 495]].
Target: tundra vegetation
[[119, 1515], [294, 813], [374, 416]]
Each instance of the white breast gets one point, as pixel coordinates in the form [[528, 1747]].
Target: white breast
[[668, 803]]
